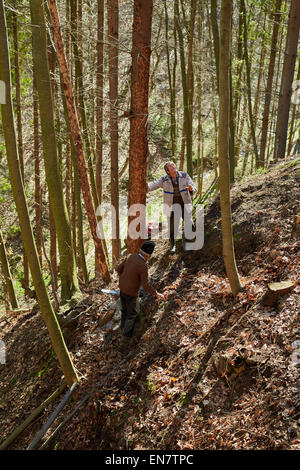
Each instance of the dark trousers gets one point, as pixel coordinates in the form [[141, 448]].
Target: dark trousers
[[174, 221], [128, 314]]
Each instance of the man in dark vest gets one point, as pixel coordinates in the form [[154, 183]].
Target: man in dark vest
[[178, 188], [133, 273]]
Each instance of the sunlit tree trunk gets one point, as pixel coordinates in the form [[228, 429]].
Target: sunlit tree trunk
[[68, 276], [37, 177], [23, 214], [287, 80], [171, 85], [276, 15], [224, 112], [78, 143], [138, 150], [113, 37], [19, 122], [248, 78], [186, 127], [76, 39]]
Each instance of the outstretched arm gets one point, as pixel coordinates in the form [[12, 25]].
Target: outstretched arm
[[155, 185]]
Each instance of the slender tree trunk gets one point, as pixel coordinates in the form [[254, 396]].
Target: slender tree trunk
[[292, 131], [8, 283], [213, 91], [171, 87], [99, 98], [248, 78], [77, 209], [19, 123], [113, 37], [268, 93], [76, 39], [23, 214], [138, 150], [216, 38], [77, 139], [68, 276], [224, 112], [186, 128], [287, 80], [37, 178]]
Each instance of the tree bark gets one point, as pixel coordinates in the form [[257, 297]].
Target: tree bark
[[268, 93], [76, 40], [19, 122], [23, 214], [77, 139], [171, 86], [68, 276], [223, 140], [37, 179], [248, 78], [113, 37], [138, 149], [8, 283], [99, 98], [287, 80], [186, 127]]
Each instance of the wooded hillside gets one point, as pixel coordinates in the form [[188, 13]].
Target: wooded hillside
[[96, 97]]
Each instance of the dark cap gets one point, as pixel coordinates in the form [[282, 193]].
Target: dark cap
[[148, 247]]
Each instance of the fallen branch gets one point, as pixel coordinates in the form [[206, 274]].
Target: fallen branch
[[31, 417], [65, 421], [68, 418], [47, 425]]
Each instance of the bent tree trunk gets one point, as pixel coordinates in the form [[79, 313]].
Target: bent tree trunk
[[69, 281], [223, 145], [138, 149], [77, 139], [23, 214]]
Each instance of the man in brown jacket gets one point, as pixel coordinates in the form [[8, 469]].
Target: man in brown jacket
[[133, 272]]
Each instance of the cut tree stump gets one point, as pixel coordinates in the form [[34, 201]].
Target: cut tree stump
[[275, 291]]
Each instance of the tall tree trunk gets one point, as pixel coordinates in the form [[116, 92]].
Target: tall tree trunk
[[171, 86], [68, 276], [186, 128], [76, 40], [77, 139], [268, 93], [224, 111], [77, 209], [19, 122], [23, 214], [248, 78], [138, 150], [113, 37], [287, 80], [216, 38], [37, 178], [99, 98], [292, 130], [8, 283]]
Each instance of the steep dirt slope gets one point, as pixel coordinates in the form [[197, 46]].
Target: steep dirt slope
[[208, 371]]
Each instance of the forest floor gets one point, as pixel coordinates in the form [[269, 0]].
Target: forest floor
[[209, 371]]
